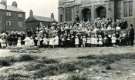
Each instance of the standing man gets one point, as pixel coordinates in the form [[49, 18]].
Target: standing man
[[131, 35]]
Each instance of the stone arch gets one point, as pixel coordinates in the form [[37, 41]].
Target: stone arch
[[101, 11], [86, 14]]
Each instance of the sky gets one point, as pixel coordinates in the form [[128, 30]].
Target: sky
[[39, 7]]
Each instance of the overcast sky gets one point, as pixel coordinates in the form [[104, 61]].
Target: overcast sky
[[39, 7]]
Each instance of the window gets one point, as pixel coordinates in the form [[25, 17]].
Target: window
[[68, 14], [119, 9], [8, 13], [61, 18], [20, 15], [20, 24], [8, 23], [128, 8]]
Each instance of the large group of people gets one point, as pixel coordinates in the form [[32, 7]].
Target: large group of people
[[102, 33]]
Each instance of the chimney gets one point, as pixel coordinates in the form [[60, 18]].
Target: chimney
[[52, 17], [14, 4], [4, 2], [31, 13]]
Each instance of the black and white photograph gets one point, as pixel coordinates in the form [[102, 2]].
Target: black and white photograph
[[67, 39]]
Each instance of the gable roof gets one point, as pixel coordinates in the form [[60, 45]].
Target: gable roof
[[38, 18], [10, 8]]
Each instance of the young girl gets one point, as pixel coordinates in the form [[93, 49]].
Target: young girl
[[19, 42], [31, 42], [56, 41], [51, 42], [45, 41], [3, 43], [100, 41], [27, 42], [92, 41], [77, 41], [95, 41], [84, 41], [114, 40]]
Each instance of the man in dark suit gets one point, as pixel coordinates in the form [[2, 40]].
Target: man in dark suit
[[131, 35]]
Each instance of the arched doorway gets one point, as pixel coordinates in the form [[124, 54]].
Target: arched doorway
[[101, 12], [86, 14]]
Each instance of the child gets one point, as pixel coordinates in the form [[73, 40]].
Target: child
[[45, 41], [114, 40], [77, 41], [51, 42], [19, 43], [3, 43], [56, 41], [31, 42], [84, 41], [92, 41], [100, 41], [27, 42], [88, 41], [95, 41]]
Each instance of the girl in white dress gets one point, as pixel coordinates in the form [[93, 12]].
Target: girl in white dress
[[45, 41], [84, 41], [31, 42], [3, 43], [92, 40], [114, 39], [51, 42], [95, 41], [100, 41], [19, 43], [27, 42], [56, 41], [77, 41]]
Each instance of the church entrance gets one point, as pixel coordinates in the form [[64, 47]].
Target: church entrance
[[101, 12], [86, 14]]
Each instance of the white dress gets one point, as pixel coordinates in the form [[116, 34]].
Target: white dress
[[27, 42], [19, 43], [84, 40], [88, 40], [51, 41], [100, 41], [76, 41], [45, 41], [113, 40], [31, 42], [92, 40], [3, 43], [56, 41]]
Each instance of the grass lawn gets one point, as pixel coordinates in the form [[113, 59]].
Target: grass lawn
[[68, 64]]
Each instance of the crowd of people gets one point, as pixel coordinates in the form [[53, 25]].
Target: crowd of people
[[102, 33]]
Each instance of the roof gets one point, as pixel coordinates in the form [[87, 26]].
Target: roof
[[38, 18], [10, 8]]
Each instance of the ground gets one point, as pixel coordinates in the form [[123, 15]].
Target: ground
[[107, 63]]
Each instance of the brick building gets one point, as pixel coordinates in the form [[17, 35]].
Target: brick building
[[91, 9], [11, 17], [33, 21]]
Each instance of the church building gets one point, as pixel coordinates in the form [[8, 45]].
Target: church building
[[89, 10]]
